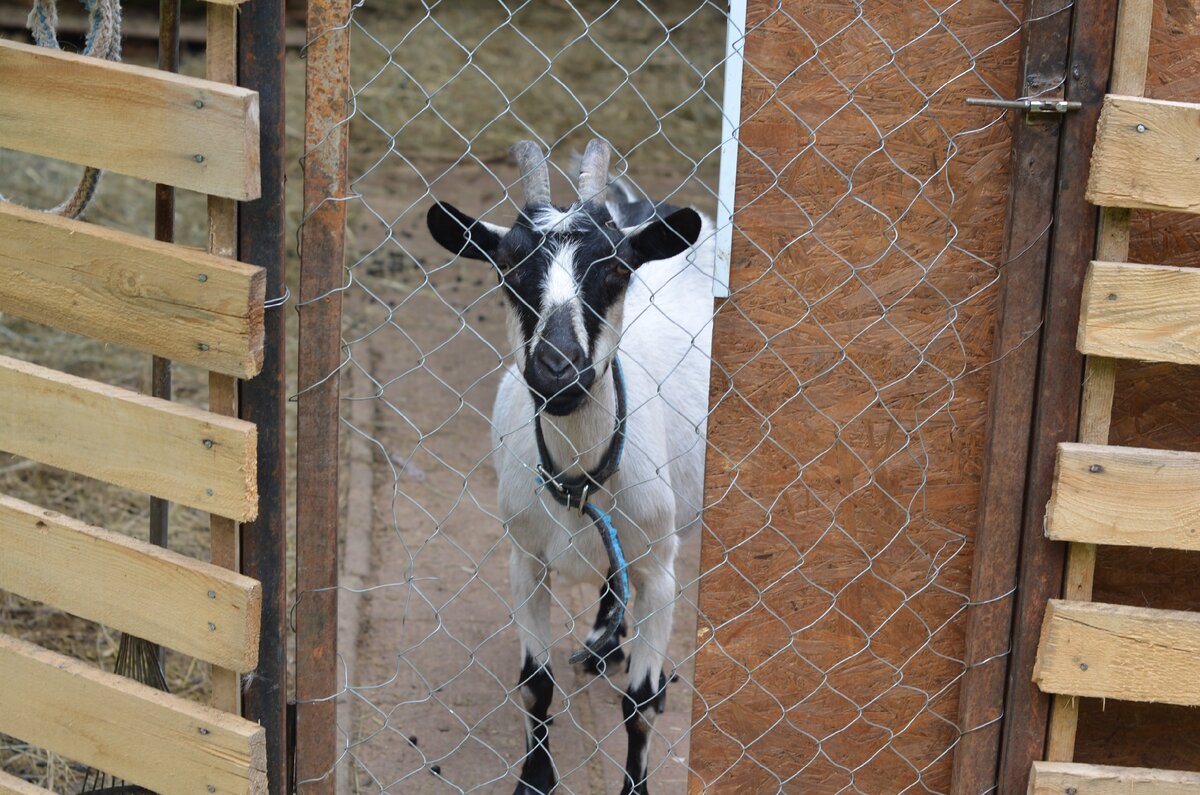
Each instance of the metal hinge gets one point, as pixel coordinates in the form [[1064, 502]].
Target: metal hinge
[[1029, 105]]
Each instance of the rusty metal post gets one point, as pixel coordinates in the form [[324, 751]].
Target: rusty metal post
[[262, 240], [322, 247]]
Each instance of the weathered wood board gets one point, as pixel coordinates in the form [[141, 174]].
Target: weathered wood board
[[1144, 312], [1057, 778], [193, 607], [158, 126], [1127, 496], [165, 743], [1147, 155], [1119, 652], [185, 305], [11, 785], [165, 449], [843, 467]]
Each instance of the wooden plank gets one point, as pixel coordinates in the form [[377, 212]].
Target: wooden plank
[[1056, 778], [185, 305], [1147, 155], [143, 735], [1119, 652], [11, 785], [1146, 312], [1126, 496], [176, 452], [167, 128], [187, 605]]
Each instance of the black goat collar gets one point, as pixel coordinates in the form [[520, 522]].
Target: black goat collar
[[572, 491]]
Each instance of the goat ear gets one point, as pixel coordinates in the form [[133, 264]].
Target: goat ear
[[463, 235], [663, 238]]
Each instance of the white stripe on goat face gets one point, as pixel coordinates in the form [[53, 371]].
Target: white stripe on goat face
[[561, 287]]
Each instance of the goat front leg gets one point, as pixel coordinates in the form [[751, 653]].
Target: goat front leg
[[646, 697], [531, 611]]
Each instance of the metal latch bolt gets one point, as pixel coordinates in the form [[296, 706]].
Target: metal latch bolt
[[1029, 105]]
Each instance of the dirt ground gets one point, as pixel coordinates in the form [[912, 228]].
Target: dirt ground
[[434, 708]]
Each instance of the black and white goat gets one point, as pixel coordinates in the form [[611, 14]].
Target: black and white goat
[[609, 309]]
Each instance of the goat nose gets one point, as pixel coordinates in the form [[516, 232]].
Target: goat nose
[[560, 364]]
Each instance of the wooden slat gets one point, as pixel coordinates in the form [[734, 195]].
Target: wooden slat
[[187, 605], [176, 452], [11, 785], [185, 305], [1119, 652], [143, 735], [1057, 778], [1125, 496], [1146, 312], [158, 126], [1157, 168]]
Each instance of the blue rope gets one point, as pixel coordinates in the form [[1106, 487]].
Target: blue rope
[[624, 397], [622, 566]]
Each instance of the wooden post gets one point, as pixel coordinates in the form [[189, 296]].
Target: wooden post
[[221, 65], [1011, 406], [262, 239], [1128, 77], [1060, 371]]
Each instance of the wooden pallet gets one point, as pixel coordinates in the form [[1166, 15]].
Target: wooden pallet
[[1144, 157], [202, 308]]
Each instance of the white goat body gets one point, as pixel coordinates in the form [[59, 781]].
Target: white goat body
[[664, 350]]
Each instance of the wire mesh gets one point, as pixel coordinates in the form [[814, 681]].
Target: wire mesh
[[818, 611]]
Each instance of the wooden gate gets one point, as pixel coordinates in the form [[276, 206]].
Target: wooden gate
[[195, 307]]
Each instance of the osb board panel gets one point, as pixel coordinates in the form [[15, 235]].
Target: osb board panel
[[1156, 405], [850, 390]]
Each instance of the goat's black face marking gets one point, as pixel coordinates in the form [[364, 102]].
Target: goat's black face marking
[[564, 272]]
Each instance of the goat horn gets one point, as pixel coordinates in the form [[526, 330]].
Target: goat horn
[[534, 173], [593, 170]]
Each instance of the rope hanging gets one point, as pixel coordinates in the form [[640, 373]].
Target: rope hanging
[[103, 41]]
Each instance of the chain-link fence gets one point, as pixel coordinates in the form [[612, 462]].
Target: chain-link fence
[[817, 635]]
